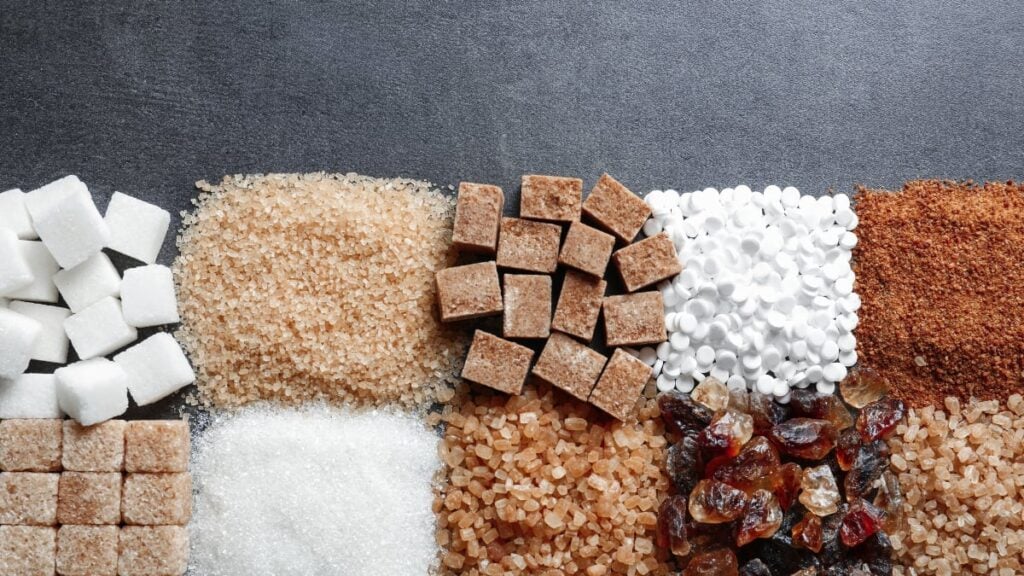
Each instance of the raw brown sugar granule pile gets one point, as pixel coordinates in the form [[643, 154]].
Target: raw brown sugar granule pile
[[962, 475], [542, 484], [940, 270], [316, 287]]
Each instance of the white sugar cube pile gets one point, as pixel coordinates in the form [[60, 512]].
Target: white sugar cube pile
[[51, 248]]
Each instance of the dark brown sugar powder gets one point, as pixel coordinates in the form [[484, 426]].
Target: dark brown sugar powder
[[940, 270]]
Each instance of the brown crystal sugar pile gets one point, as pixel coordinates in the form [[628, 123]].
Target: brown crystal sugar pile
[[543, 484], [962, 474], [316, 287], [940, 269]]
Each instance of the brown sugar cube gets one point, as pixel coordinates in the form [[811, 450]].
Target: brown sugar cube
[[569, 365], [156, 446], [635, 319], [27, 550], [98, 448], [527, 245], [87, 550], [579, 305], [30, 445], [621, 384], [157, 499], [89, 498], [586, 249], [552, 198], [613, 207], [470, 291], [28, 498], [477, 217], [647, 261], [527, 306], [153, 551], [497, 363]]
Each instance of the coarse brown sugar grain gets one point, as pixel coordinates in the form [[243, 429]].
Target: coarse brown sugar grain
[[961, 470], [543, 484], [940, 270], [295, 288]]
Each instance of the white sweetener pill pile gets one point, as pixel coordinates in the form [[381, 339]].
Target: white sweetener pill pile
[[765, 299]]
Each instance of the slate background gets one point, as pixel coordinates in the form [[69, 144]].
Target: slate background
[[147, 97]]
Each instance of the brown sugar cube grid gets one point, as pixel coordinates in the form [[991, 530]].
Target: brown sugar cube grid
[[635, 319], [587, 249], [153, 551], [28, 498], [569, 365], [497, 363], [87, 550], [554, 198], [470, 291], [98, 448], [477, 217], [89, 498], [529, 246], [579, 305], [527, 306], [27, 550], [156, 446], [647, 261], [157, 499], [614, 208], [30, 445], [621, 384]]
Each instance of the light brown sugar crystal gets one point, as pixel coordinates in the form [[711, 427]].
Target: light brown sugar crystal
[[527, 306], [587, 249], [529, 246], [477, 217], [497, 363], [569, 365], [469, 291], [647, 261], [553, 198], [620, 385], [579, 305], [614, 208], [635, 319]]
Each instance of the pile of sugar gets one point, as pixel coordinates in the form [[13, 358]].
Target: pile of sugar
[[314, 492], [316, 287]]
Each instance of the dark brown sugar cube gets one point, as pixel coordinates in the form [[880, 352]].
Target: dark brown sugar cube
[[579, 305], [27, 550], [98, 448], [28, 498], [30, 445], [527, 306], [552, 198], [497, 363], [647, 261], [89, 498], [569, 365], [156, 446], [157, 499], [613, 207], [87, 550], [635, 319], [153, 551], [470, 291], [477, 217], [621, 384], [587, 249], [527, 245]]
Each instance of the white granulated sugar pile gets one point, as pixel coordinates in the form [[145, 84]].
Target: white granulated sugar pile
[[765, 299], [314, 492]]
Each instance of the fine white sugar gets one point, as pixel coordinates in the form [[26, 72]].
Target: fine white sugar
[[314, 492], [92, 391], [15, 272], [137, 228], [52, 343], [89, 282], [14, 215], [99, 329], [156, 368], [765, 297], [29, 396], [70, 226], [18, 335], [147, 296], [43, 267]]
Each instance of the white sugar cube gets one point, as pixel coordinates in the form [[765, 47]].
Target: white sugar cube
[[15, 272], [89, 282], [29, 396], [99, 329], [92, 391], [52, 343], [4, 302], [43, 267], [147, 296], [156, 368], [14, 215], [71, 227], [18, 335], [137, 228], [38, 200]]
